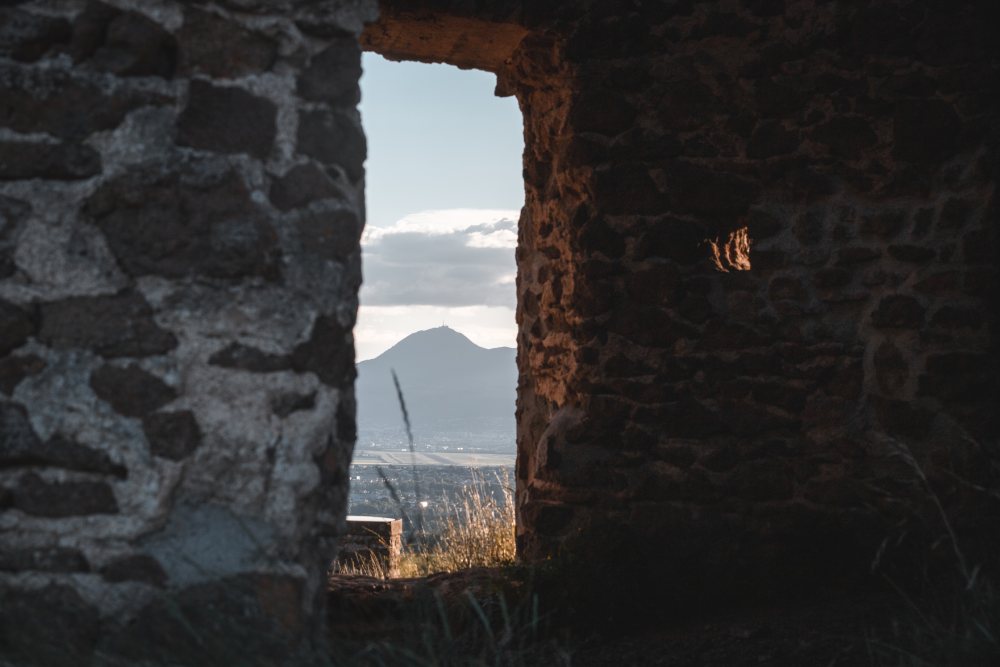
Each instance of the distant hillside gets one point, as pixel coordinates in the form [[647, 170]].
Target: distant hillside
[[448, 382]]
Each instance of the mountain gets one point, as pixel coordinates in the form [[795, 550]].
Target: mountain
[[449, 383]]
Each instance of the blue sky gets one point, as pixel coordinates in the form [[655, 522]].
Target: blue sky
[[443, 192]]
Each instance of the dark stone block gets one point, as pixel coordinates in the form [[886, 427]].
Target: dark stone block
[[957, 317], [763, 480], [962, 378], [20, 446], [884, 225], [698, 190], [54, 102], [50, 626], [914, 254], [955, 213], [17, 325], [809, 228], [925, 131], [285, 404], [785, 288], [899, 311], [131, 391], [627, 188], [122, 42], [21, 160], [769, 139], [825, 279], [27, 37], [303, 185], [142, 568], [846, 136], [227, 120], [15, 369], [120, 325], [763, 225], [602, 112], [978, 247], [333, 138], [856, 255], [246, 358], [221, 48], [922, 222], [163, 225], [44, 559], [172, 435], [33, 495], [334, 235], [891, 369], [333, 73], [329, 353]]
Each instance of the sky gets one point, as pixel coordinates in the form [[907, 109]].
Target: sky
[[443, 194]]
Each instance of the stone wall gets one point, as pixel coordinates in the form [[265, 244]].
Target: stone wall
[[181, 202], [757, 262], [758, 256]]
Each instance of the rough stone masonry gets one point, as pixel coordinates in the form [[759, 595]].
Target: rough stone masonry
[[758, 262]]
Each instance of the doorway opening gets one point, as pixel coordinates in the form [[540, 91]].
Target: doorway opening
[[436, 326]]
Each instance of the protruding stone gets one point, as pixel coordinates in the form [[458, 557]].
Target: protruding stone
[[227, 119], [221, 48], [120, 325], [333, 73], [333, 138], [33, 495], [131, 391], [172, 435]]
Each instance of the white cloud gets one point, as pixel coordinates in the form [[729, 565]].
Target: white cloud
[[454, 258]]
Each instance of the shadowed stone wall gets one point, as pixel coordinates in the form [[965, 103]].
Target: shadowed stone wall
[[181, 199], [724, 421]]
